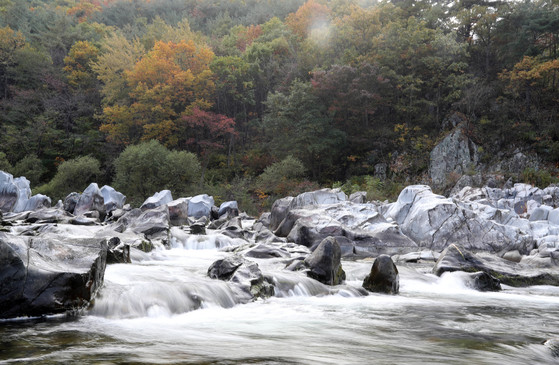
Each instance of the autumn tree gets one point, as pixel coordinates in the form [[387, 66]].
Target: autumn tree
[[166, 84], [310, 16], [118, 55], [78, 65]]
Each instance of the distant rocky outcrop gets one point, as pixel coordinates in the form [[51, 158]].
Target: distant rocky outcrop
[[456, 153]]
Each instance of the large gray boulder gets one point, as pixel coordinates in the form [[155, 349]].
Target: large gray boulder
[[456, 153], [434, 222], [36, 202], [178, 212], [246, 278], [158, 199], [279, 211], [200, 206], [384, 277], [14, 193], [360, 229], [112, 198], [230, 207], [90, 200], [324, 263], [42, 276], [70, 202], [24, 193], [151, 222], [457, 258]]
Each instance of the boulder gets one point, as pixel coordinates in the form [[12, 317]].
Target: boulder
[[126, 220], [324, 263], [151, 222], [158, 199], [40, 276], [553, 346], [70, 202], [383, 277], [264, 251], [24, 193], [8, 192], [279, 212], [482, 281], [200, 206], [245, 276], [117, 252], [230, 207], [49, 215], [90, 200], [14, 193], [458, 258], [37, 202], [178, 212], [433, 221], [359, 197], [541, 213], [456, 153], [112, 198], [318, 197]]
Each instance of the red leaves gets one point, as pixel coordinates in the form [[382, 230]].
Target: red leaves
[[207, 130]]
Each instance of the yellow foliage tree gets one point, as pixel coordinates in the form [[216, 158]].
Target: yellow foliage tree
[[166, 84]]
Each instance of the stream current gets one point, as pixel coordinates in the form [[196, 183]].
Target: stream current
[[163, 309]]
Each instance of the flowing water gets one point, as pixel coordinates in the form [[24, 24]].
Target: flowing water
[[163, 309]]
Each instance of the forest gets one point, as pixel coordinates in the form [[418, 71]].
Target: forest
[[249, 100]]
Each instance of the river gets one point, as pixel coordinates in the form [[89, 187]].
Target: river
[[163, 309]]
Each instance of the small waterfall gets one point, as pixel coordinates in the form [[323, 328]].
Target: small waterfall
[[182, 239]]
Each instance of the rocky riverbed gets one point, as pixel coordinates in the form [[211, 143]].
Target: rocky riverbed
[[54, 258]]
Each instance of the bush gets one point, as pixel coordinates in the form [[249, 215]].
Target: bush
[[540, 178], [280, 176], [72, 175], [30, 167], [4, 163], [146, 168]]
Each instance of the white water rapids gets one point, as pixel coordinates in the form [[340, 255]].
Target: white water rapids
[[163, 309]]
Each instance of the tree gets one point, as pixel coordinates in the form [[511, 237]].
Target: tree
[[311, 15], [278, 176], [148, 167], [297, 123], [79, 65], [10, 43], [72, 175], [31, 167], [118, 55], [166, 84], [206, 132]]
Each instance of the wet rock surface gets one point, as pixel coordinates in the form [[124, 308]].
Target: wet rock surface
[[324, 264], [383, 277], [48, 274]]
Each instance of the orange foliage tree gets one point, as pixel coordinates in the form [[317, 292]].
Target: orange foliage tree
[[166, 84], [309, 15]]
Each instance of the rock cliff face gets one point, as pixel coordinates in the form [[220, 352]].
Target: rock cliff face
[[456, 153]]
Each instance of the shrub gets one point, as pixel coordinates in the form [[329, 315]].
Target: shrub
[[4, 163], [148, 167], [30, 167], [72, 175], [540, 178], [280, 176]]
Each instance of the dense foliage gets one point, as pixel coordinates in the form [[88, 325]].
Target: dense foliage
[[342, 86]]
